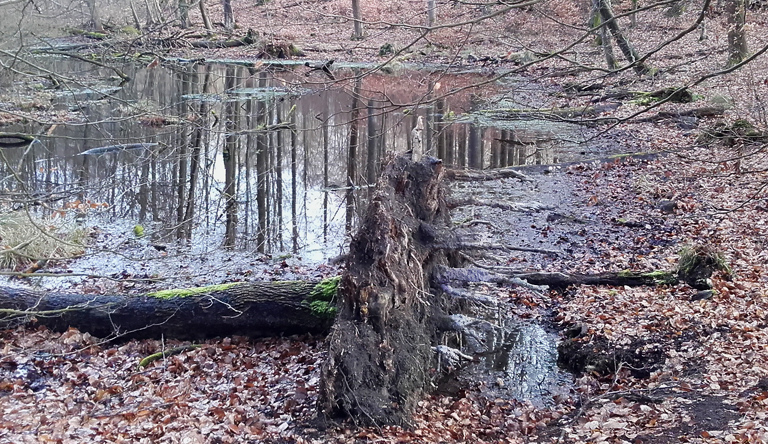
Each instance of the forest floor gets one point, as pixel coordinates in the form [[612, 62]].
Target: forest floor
[[690, 367]]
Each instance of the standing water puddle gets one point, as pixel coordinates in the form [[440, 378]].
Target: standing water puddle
[[265, 160]]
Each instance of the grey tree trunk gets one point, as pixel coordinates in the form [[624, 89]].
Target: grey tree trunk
[[135, 17], [352, 152], [431, 12], [736, 11], [371, 155], [603, 38], [150, 15], [229, 18], [230, 156], [204, 15], [357, 18], [183, 12], [606, 12], [95, 16]]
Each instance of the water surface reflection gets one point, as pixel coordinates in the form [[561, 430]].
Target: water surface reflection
[[268, 160]]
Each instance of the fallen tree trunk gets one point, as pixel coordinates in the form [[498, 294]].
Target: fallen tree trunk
[[704, 111], [556, 114], [12, 140], [557, 281], [252, 309], [478, 175]]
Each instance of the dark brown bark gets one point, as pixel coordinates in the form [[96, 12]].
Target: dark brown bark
[[10, 140], [558, 280], [381, 345], [230, 43], [251, 309]]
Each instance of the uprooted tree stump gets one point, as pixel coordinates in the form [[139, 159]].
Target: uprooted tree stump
[[381, 349]]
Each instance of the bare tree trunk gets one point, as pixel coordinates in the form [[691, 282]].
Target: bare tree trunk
[[262, 168], [354, 144], [603, 39], [204, 15], [183, 157], [431, 12], [229, 18], [278, 168], [440, 129], [428, 148], [606, 12], [194, 170], [95, 16], [357, 18], [326, 142], [294, 186], [461, 149], [150, 16], [450, 145], [475, 148], [230, 156], [370, 160], [736, 11], [135, 16], [183, 12]]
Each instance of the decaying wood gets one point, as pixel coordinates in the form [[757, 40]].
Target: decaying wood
[[10, 140], [213, 44], [480, 175], [556, 280], [251, 309], [672, 94], [704, 111], [381, 344], [556, 114]]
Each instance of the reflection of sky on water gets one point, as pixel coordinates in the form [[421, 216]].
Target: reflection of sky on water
[[282, 177]]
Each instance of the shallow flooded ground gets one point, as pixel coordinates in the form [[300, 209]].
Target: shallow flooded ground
[[269, 159]]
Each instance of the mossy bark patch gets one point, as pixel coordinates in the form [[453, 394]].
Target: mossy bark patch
[[166, 353], [186, 292], [658, 277], [321, 300]]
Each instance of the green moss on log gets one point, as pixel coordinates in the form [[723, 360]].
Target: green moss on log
[[185, 292], [322, 299], [166, 353], [658, 277]]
